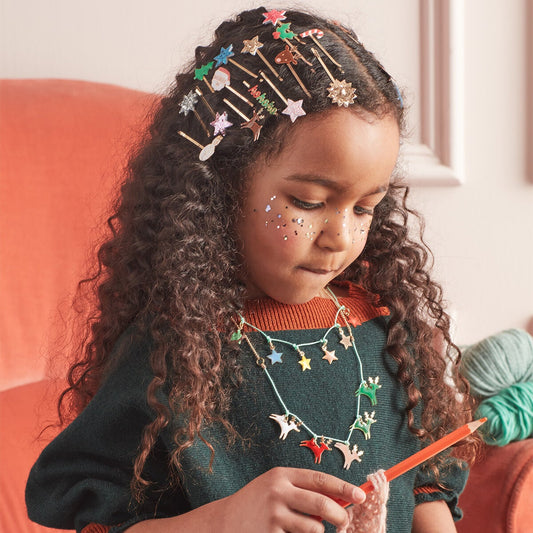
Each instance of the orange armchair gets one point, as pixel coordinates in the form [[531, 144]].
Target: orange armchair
[[62, 144]]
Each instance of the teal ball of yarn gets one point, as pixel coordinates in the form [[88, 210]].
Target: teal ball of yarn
[[509, 414], [498, 362]]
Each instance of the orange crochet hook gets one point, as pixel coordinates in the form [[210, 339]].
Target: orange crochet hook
[[419, 457]]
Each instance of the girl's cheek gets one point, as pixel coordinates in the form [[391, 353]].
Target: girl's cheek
[[285, 222], [360, 232]]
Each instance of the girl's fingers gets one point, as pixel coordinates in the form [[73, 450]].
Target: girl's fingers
[[297, 523], [327, 484], [316, 504]]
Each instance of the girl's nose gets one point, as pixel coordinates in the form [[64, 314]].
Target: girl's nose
[[337, 233]]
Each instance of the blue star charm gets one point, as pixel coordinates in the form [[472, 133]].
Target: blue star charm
[[224, 55], [275, 357]]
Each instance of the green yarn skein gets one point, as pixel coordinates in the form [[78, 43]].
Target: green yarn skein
[[509, 414], [500, 371], [498, 362]]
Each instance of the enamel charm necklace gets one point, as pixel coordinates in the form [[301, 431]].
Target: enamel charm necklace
[[289, 421]]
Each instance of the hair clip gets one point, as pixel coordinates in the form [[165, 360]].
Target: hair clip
[[201, 73], [235, 108], [286, 57], [253, 124], [261, 97], [294, 108], [319, 34], [274, 88], [284, 32], [188, 104], [398, 93], [252, 46], [341, 92], [221, 78], [206, 151], [273, 17], [221, 123], [225, 55], [206, 103]]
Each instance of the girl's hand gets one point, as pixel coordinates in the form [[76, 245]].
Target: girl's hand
[[279, 500]]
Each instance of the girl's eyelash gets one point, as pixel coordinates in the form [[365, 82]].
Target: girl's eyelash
[[358, 210], [305, 205]]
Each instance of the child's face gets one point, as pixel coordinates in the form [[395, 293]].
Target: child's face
[[308, 210]]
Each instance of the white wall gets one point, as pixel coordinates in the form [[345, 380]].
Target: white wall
[[481, 232]]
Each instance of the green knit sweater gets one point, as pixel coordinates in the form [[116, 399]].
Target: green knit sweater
[[83, 475]]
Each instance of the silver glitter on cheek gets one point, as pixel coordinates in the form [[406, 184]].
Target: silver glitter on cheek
[[273, 198], [268, 208], [285, 237], [279, 216], [298, 220]]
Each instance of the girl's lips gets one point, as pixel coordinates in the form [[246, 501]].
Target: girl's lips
[[319, 271]]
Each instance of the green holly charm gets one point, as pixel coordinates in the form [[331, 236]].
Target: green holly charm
[[369, 389], [237, 336], [363, 424], [283, 31]]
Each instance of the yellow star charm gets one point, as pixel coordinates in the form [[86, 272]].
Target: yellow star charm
[[305, 362]]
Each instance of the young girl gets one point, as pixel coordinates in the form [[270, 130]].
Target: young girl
[[264, 334]]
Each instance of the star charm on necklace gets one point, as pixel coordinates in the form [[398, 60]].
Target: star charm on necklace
[[330, 356], [354, 321], [224, 55], [251, 46], [221, 123], [294, 109], [275, 357], [341, 93], [345, 340], [274, 16], [305, 363], [315, 448]]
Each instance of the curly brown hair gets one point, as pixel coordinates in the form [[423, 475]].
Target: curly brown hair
[[171, 263]]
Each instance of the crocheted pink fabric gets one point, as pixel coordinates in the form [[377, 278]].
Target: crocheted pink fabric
[[371, 516]]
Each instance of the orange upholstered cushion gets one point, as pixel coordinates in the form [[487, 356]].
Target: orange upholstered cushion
[[62, 144], [499, 494], [24, 411]]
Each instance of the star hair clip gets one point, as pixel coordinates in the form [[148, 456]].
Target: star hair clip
[[341, 92]]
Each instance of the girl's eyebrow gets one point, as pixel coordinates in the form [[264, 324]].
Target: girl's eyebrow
[[317, 179]]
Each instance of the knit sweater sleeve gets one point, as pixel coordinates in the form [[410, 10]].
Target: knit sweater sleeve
[[83, 476], [449, 484]]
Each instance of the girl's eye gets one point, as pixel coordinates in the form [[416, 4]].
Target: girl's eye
[[358, 210], [300, 204]]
